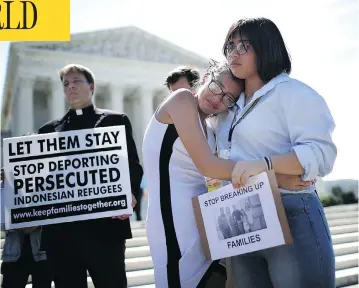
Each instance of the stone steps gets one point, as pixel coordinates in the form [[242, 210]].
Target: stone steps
[[343, 224], [141, 232], [346, 248], [135, 278], [137, 241], [340, 215], [345, 238], [345, 254], [346, 277], [343, 229], [134, 242], [343, 260], [142, 241], [144, 251], [346, 261], [341, 208], [343, 277], [343, 221], [141, 251]]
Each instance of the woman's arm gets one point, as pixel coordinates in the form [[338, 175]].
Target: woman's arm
[[292, 182], [310, 125], [287, 164], [281, 164], [182, 109]]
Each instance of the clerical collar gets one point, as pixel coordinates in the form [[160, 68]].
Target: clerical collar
[[84, 111]]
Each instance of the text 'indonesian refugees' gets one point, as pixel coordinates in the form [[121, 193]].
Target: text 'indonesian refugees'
[[66, 176]]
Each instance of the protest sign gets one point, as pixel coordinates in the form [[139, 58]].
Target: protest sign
[[66, 176], [238, 221]]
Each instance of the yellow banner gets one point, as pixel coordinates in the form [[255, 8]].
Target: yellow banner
[[35, 20]]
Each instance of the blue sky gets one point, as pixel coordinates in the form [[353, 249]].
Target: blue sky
[[322, 37]]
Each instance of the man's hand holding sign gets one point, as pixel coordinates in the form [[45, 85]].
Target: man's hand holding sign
[[126, 216]]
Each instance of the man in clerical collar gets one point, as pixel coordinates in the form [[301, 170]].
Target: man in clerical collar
[[97, 245]]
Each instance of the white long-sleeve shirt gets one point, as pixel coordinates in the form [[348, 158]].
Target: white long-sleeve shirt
[[290, 116]]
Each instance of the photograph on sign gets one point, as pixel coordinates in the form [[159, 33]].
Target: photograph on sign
[[245, 216], [239, 221], [66, 176]]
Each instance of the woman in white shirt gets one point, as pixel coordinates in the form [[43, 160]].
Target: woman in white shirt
[[285, 117]]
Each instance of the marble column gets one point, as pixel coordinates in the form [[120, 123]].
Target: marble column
[[25, 117], [57, 101], [146, 107], [117, 97]]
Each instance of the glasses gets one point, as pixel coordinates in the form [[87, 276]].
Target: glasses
[[241, 48], [216, 89]]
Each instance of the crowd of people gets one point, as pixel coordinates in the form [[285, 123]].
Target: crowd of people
[[244, 116]]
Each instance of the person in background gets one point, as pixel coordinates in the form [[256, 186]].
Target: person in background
[[182, 77], [249, 213], [224, 225], [2, 202], [237, 216], [232, 222], [140, 193], [21, 254], [245, 222]]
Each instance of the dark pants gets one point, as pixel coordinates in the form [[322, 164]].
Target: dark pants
[[103, 259], [137, 208], [16, 274], [226, 233], [215, 276]]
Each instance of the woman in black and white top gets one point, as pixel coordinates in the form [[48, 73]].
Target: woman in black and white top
[[176, 156]]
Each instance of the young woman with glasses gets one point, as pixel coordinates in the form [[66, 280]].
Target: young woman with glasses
[[287, 117], [176, 156]]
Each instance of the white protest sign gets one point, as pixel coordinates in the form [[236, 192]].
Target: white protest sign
[[233, 222], [66, 176]]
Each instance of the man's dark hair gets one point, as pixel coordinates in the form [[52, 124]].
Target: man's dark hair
[[77, 68], [191, 74], [268, 44]]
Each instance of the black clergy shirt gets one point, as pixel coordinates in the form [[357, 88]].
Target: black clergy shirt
[[111, 229]]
